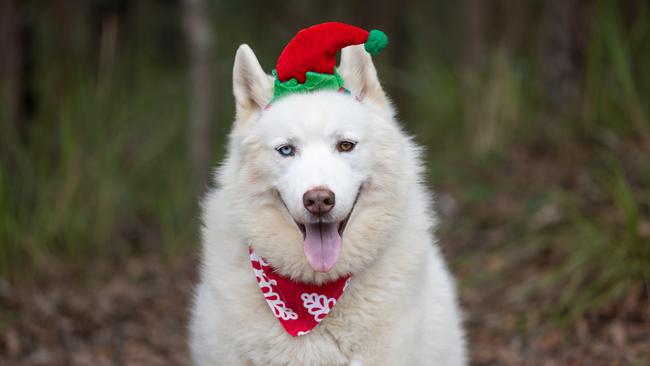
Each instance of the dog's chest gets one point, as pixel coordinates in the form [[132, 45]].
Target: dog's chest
[[330, 343]]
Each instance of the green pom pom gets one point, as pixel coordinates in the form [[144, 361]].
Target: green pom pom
[[376, 42]]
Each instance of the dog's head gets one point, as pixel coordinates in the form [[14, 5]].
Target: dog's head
[[316, 179]]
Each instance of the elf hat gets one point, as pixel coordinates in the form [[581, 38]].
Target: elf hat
[[308, 61]]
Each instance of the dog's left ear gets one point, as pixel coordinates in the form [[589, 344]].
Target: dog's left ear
[[360, 76], [252, 87]]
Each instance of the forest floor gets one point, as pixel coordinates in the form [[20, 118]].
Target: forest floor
[[134, 311], [138, 316]]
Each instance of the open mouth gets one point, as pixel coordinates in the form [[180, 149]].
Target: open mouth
[[341, 225], [323, 240]]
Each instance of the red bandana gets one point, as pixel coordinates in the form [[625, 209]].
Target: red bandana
[[298, 306]]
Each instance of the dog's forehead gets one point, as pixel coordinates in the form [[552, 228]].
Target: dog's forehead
[[319, 114]]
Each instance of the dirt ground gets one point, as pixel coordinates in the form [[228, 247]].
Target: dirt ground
[[137, 315]]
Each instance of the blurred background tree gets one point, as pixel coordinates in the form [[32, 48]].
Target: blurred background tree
[[534, 115]]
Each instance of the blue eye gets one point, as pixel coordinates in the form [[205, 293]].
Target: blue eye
[[286, 150]]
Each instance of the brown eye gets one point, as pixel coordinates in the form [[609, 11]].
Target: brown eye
[[345, 146]]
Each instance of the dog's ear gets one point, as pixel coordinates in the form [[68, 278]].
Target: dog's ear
[[360, 75], [252, 87]]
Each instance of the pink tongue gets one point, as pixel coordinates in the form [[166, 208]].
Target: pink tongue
[[322, 245]]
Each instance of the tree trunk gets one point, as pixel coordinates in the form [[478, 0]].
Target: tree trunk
[[197, 29], [10, 62], [474, 60], [561, 54], [10, 77], [475, 42]]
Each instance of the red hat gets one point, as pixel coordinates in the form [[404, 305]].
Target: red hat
[[308, 62]]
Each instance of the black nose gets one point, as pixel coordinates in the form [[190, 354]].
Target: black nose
[[318, 201]]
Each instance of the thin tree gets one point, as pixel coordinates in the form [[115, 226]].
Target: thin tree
[[562, 38], [10, 71], [198, 33]]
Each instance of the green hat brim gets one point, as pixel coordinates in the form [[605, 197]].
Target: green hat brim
[[314, 81]]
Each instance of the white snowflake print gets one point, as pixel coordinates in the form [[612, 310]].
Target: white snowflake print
[[280, 310], [317, 305]]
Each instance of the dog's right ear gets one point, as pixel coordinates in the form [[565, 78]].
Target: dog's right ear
[[252, 87]]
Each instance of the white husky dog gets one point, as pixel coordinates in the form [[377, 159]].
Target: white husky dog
[[399, 307]]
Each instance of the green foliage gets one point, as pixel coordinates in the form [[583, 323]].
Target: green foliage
[[610, 255], [617, 80], [604, 250], [102, 166], [103, 169]]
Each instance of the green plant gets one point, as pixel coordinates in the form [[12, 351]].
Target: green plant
[[101, 174], [610, 255]]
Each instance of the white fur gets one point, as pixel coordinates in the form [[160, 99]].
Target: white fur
[[400, 307]]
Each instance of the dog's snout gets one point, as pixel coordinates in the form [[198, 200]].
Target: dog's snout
[[318, 201]]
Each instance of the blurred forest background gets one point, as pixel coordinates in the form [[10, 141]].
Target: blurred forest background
[[535, 116]]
